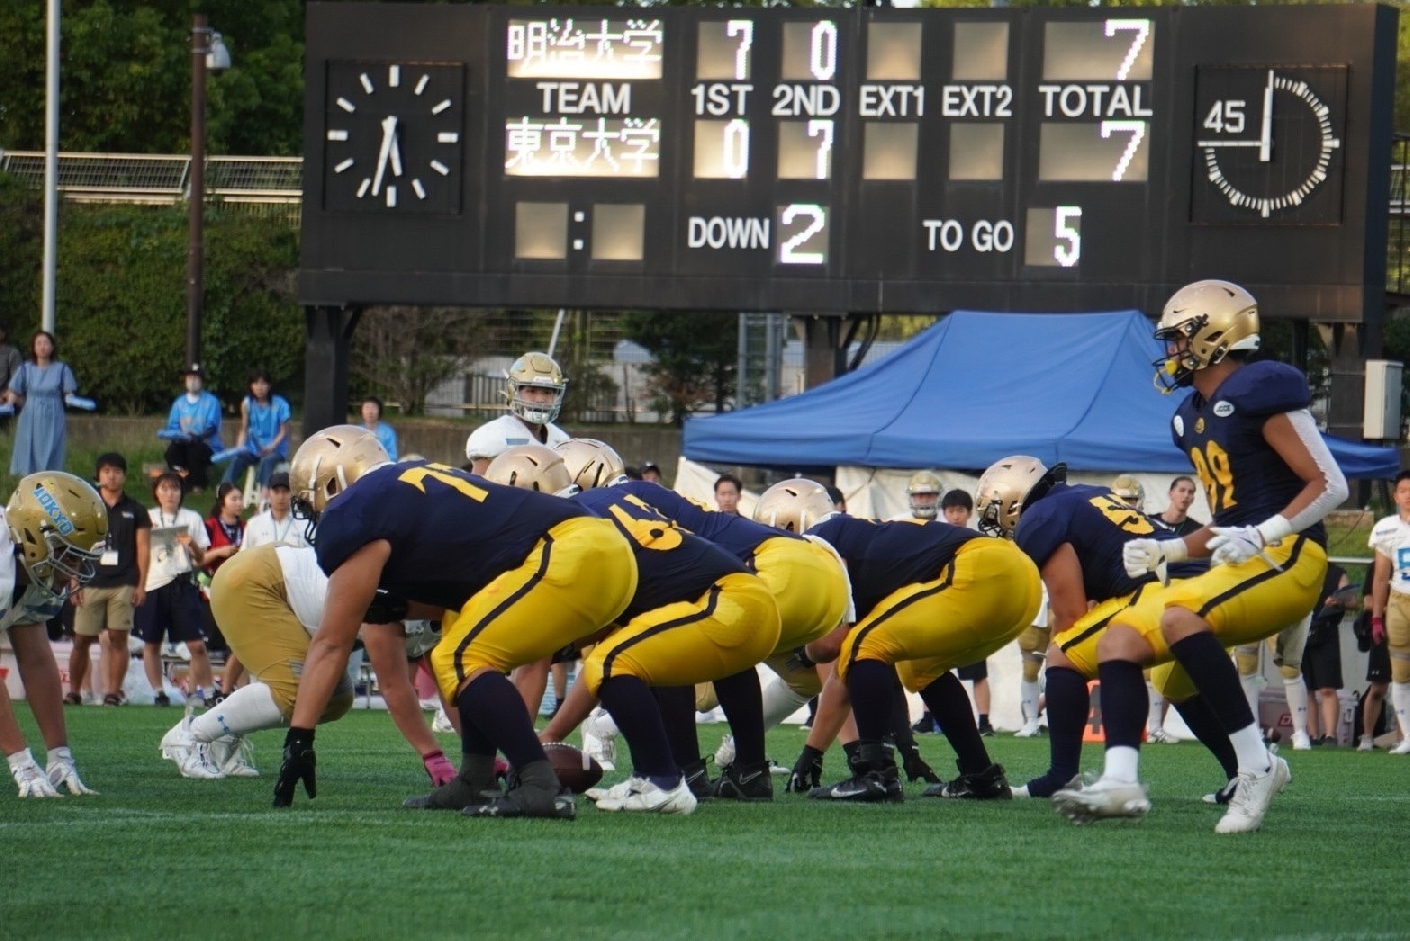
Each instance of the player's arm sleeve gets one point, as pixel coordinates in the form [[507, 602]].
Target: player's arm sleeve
[[1334, 489]]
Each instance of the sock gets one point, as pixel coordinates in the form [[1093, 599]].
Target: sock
[[949, 704], [869, 683], [1216, 678], [900, 722], [1252, 753], [1296, 691], [1029, 693], [780, 702], [494, 710], [1122, 763], [1123, 703], [742, 702], [1250, 684], [1069, 704], [1400, 699], [1202, 721], [249, 709], [1155, 710], [638, 717], [676, 705]]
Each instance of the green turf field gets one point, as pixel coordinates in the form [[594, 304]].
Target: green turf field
[[157, 856]]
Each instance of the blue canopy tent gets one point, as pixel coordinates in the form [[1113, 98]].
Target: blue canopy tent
[[978, 386]]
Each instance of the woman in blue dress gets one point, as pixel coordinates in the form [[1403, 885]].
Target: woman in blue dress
[[264, 433], [39, 386]]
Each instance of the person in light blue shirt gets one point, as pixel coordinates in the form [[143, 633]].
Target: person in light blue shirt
[[264, 433], [193, 430], [372, 421]]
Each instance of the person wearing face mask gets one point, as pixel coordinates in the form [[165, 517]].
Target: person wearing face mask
[[193, 431]]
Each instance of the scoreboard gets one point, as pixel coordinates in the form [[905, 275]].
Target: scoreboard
[[846, 160]]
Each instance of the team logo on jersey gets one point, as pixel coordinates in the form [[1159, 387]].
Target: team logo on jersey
[[1223, 409], [1179, 425], [1199, 426]]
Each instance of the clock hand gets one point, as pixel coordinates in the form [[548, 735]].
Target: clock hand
[[389, 129], [1265, 142], [396, 155]]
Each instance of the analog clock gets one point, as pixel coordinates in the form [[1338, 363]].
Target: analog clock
[[1269, 144], [393, 137]]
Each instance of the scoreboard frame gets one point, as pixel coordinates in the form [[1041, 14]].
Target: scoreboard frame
[[857, 160]]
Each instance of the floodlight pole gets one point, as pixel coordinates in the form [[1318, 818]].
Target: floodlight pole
[[51, 165], [196, 204]]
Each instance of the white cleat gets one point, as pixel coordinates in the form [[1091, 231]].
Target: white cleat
[[1252, 796], [615, 792], [198, 764], [1102, 800], [599, 733], [234, 756], [177, 742], [1301, 741], [441, 723], [646, 798], [1367, 743], [724, 755], [1029, 730], [1161, 737], [1403, 748]]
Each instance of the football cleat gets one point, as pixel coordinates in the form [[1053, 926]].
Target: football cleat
[[1029, 730], [1222, 796], [647, 798], [1249, 803], [234, 756], [697, 778], [617, 791], [744, 783], [441, 723], [1403, 748], [1043, 787], [724, 755], [989, 784], [599, 733], [177, 741], [873, 787], [1161, 737], [1367, 743], [1301, 741], [1101, 800], [199, 764], [527, 800]]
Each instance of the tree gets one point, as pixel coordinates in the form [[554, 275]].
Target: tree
[[402, 353], [694, 355]]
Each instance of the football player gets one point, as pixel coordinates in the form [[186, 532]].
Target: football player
[[1286, 648], [1390, 604], [267, 602], [1270, 481], [533, 389], [507, 565], [57, 525], [923, 492], [697, 616], [1075, 535], [928, 597]]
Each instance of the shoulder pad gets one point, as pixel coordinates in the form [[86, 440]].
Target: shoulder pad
[[1265, 388]]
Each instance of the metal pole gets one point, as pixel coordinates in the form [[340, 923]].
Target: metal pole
[[51, 165], [195, 246]]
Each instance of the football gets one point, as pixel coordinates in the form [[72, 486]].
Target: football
[[576, 771]]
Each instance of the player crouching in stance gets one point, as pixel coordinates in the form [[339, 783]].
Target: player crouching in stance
[[267, 602], [1270, 481], [697, 616], [508, 566], [929, 598], [57, 524]]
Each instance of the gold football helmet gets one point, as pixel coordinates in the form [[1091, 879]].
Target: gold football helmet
[[1129, 490], [794, 505], [60, 525], [532, 467], [328, 463], [591, 463], [924, 492], [1201, 324], [1008, 487], [541, 372]]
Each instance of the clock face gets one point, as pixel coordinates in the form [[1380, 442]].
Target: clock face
[[393, 137], [1269, 144]]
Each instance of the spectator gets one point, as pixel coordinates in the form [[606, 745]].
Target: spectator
[[534, 388], [1321, 658], [225, 529], [1377, 675], [1176, 515], [193, 430], [104, 608], [172, 608], [727, 490], [264, 433], [38, 387], [276, 525], [650, 472], [10, 360], [372, 421]]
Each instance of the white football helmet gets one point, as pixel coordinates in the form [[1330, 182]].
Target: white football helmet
[[539, 371], [924, 491]]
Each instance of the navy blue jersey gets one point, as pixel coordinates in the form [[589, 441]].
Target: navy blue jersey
[[451, 533], [738, 536], [882, 557], [672, 564], [1097, 523], [1245, 480]]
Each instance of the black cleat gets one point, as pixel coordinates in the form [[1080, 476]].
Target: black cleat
[[697, 778], [528, 801], [989, 784], [455, 794], [874, 787], [744, 782]]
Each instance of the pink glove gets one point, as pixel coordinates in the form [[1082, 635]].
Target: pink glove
[[440, 769], [1378, 630]]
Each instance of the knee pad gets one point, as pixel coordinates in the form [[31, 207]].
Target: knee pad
[[1400, 666], [705, 698], [1247, 660], [1290, 671], [1032, 669]]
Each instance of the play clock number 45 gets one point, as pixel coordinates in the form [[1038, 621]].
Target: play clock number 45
[[393, 137], [1269, 142]]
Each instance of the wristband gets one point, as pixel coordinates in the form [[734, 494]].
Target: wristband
[[1274, 530], [1378, 622]]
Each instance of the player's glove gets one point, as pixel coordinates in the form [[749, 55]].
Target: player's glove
[[1140, 557], [61, 772], [298, 765], [1378, 631], [31, 780], [438, 767], [807, 771], [1233, 545]]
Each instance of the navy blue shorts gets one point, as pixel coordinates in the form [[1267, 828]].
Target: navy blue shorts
[[172, 611], [974, 672], [1378, 664], [1321, 665]]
